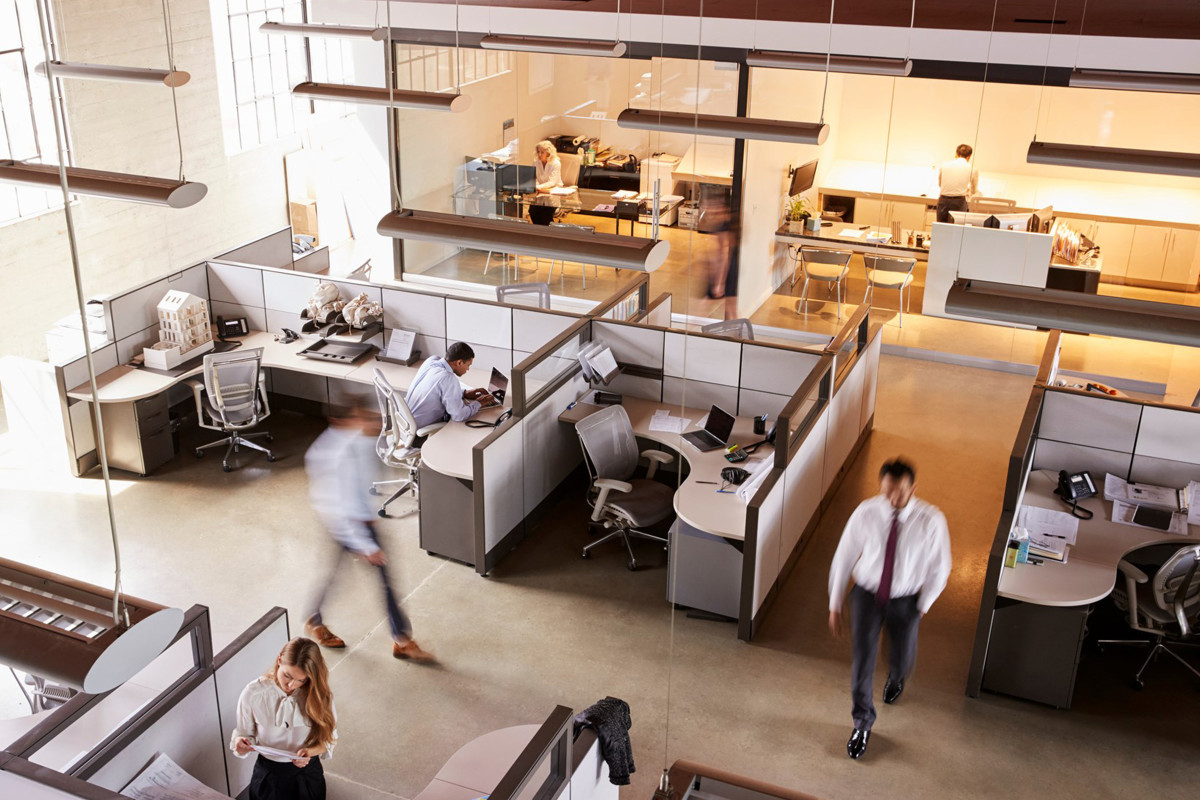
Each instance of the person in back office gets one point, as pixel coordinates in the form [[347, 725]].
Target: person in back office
[[547, 167], [957, 180], [897, 548], [436, 393], [339, 465]]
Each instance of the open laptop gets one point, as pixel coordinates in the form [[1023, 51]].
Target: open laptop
[[498, 385], [716, 431]]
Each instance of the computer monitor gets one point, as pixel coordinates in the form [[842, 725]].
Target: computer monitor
[[1013, 222], [516, 178], [1043, 218], [802, 178], [969, 218]]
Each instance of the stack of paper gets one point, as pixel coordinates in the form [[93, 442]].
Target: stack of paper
[[1123, 513], [1193, 497], [1142, 494], [1050, 532], [663, 421]]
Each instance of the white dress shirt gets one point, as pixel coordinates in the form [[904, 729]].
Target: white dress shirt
[[436, 393], [922, 561], [549, 175], [958, 178], [341, 465], [269, 717]]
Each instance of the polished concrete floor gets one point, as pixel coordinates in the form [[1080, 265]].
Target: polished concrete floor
[[549, 628]]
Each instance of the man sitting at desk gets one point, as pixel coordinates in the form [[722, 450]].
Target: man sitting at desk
[[436, 393]]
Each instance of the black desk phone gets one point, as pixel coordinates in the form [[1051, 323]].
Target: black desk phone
[[1073, 487]]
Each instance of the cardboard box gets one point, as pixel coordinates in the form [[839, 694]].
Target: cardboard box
[[303, 215]]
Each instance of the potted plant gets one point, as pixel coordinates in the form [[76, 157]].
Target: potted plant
[[797, 214]]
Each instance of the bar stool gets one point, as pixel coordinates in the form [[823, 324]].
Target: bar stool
[[819, 264]]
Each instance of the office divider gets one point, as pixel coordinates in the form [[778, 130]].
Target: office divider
[[628, 302], [543, 770], [658, 312], [272, 250]]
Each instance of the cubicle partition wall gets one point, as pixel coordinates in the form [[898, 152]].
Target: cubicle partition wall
[[658, 313], [627, 303], [1075, 430], [272, 250]]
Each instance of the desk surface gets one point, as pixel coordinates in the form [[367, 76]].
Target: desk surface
[[830, 238], [698, 504], [1091, 569]]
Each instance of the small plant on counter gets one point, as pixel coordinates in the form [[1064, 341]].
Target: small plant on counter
[[798, 209]]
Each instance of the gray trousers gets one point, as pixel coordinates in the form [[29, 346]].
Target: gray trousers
[[901, 618]]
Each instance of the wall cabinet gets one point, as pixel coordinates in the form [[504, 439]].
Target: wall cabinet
[[1149, 253], [882, 213], [1180, 263], [1116, 242]]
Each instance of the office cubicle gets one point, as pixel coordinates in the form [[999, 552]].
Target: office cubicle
[[1066, 428]]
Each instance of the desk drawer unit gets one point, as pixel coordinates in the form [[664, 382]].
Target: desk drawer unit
[[447, 512], [1033, 651], [137, 435]]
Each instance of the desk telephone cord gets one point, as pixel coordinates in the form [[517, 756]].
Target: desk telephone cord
[[1076, 511]]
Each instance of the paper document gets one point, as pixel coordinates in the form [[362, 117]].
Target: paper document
[[624, 194], [851, 233], [563, 190], [272, 751], [604, 208], [1046, 523], [1193, 494], [668, 424], [166, 780], [400, 345], [1123, 513], [1142, 494]]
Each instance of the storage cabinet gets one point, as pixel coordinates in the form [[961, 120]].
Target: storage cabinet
[[882, 213], [1164, 255], [1179, 265], [137, 435], [1116, 241]]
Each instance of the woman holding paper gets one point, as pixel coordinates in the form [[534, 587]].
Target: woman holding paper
[[287, 716]]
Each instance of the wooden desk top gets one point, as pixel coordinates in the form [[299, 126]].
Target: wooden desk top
[[1091, 569], [698, 504], [830, 238]]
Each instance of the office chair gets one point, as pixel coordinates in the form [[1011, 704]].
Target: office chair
[[1167, 607], [737, 328], [516, 257], [562, 264], [889, 273], [234, 399], [508, 293], [621, 504], [819, 264], [399, 442], [43, 694]]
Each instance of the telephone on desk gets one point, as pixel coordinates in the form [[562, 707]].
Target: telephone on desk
[[1075, 487]]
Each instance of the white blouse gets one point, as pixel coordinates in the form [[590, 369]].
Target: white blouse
[[267, 716]]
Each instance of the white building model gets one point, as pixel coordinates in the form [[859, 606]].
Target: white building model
[[183, 330]]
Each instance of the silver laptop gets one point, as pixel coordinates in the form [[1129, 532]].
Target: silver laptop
[[716, 431], [498, 385]]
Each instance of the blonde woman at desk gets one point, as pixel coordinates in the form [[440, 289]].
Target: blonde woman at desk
[[547, 167], [290, 710]]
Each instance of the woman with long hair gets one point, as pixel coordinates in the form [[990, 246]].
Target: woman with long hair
[[289, 712]]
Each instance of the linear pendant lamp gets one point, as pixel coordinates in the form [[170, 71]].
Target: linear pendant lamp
[[57, 628], [626, 252], [771, 130], [113, 185], [314, 29], [862, 65], [1153, 161], [107, 72], [566, 47], [372, 95], [1135, 81]]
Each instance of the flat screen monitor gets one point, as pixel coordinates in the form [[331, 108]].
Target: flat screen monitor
[[1042, 220], [969, 218], [516, 178], [802, 178], [1013, 222]]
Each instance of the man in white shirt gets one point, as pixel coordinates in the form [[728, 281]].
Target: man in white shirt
[[340, 467], [957, 180], [436, 393], [897, 549]]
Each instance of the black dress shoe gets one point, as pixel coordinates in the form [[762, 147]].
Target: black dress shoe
[[858, 743], [892, 690]]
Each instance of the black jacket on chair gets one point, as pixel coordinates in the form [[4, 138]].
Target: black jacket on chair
[[610, 719]]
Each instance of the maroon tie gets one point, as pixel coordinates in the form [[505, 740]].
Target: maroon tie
[[884, 593]]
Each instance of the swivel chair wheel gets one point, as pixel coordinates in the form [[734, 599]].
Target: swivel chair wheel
[[632, 565], [225, 466], [383, 513], [269, 438], [373, 491], [585, 554], [271, 457], [1138, 685], [199, 453]]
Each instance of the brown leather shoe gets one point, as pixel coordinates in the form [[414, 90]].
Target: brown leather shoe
[[323, 636], [409, 650]]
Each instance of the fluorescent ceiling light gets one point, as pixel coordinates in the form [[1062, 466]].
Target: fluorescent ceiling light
[[113, 185], [57, 628], [566, 244], [771, 130], [371, 95], [862, 65], [107, 72], [1135, 81], [1075, 311], [566, 47], [312, 29], [1153, 161]]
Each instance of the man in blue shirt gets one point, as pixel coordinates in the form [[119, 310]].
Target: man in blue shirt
[[436, 393]]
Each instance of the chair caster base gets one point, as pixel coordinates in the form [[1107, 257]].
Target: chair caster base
[[585, 554], [384, 514], [632, 565], [225, 466], [373, 492], [1137, 685], [271, 457], [199, 454]]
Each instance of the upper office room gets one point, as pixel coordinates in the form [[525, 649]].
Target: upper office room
[[1023, 41]]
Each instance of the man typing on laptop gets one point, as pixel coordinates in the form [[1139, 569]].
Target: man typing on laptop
[[436, 393]]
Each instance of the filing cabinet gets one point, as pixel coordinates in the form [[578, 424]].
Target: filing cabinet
[[137, 435]]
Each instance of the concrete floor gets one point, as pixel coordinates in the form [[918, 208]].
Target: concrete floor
[[550, 628]]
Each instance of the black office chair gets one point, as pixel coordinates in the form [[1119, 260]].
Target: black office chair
[[540, 214]]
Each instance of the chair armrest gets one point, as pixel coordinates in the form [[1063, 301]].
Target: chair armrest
[[428, 429], [1133, 576], [611, 483], [197, 395], [1132, 572], [606, 487], [655, 457]]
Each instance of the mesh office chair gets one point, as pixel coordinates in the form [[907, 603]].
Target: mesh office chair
[[399, 442], [818, 264], [889, 273], [1167, 607], [234, 400], [513, 291], [738, 328], [621, 504]]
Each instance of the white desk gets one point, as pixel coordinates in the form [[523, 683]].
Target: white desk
[[449, 451]]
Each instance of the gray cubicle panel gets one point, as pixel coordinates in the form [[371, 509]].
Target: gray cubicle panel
[[314, 262], [658, 313], [272, 250], [13, 784], [245, 659]]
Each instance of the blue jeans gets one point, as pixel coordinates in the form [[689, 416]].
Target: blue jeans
[[401, 628]]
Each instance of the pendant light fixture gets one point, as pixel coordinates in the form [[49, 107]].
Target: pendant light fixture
[[1115, 158], [563, 244], [106, 72], [860, 65], [113, 185], [565, 47], [772, 130], [1135, 81], [371, 95], [314, 29]]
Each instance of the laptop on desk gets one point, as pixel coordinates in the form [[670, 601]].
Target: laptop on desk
[[716, 431], [498, 385]]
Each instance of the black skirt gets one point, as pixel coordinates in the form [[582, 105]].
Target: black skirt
[[275, 780]]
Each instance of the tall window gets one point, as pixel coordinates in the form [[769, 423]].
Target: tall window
[[431, 69], [26, 108]]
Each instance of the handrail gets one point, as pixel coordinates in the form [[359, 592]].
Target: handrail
[[551, 740], [639, 284], [522, 403], [684, 774], [1049, 358]]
